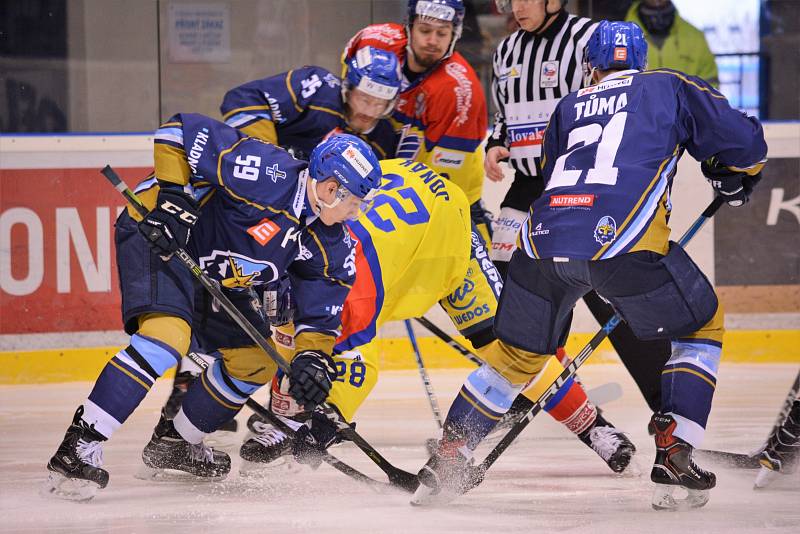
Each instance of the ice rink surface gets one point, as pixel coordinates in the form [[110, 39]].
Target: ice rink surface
[[548, 482]]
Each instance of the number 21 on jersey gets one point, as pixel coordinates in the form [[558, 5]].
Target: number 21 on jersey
[[606, 140]]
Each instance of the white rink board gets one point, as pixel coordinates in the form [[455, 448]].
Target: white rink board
[[548, 482]]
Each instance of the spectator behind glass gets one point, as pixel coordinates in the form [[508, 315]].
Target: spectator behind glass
[[673, 42]]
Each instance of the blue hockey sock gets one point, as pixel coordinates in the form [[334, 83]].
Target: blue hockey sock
[[687, 386], [124, 382], [481, 402], [215, 398]]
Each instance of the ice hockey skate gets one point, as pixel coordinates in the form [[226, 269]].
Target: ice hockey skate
[[610, 444], [447, 474], [674, 468], [74, 471], [267, 447], [781, 455], [169, 456]]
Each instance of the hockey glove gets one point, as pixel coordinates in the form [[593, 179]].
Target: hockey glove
[[734, 186], [168, 226], [313, 438], [278, 304], [311, 377]]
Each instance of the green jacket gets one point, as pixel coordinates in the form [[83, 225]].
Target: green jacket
[[684, 49]]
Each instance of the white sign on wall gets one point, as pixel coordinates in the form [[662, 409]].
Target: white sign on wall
[[199, 33]]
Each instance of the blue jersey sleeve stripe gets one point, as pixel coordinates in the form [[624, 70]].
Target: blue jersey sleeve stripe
[[241, 120], [174, 135], [244, 109]]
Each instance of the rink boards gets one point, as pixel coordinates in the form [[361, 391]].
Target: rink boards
[[58, 282]]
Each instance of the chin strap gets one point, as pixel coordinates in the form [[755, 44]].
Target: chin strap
[[317, 202]]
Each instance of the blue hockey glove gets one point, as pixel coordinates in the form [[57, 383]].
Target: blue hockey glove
[[168, 226], [313, 438], [311, 378], [278, 303], [734, 186]]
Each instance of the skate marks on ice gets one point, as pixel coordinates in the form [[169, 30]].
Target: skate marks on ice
[[549, 481]]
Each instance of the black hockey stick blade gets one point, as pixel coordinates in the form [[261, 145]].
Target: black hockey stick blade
[[729, 459], [395, 474], [328, 458]]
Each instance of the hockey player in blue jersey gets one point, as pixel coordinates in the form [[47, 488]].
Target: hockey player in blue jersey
[[298, 110], [300, 107], [248, 212], [610, 154]]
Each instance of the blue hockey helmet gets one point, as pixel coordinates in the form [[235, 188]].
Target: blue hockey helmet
[[375, 72], [350, 161], [615, 45], [444, 10]]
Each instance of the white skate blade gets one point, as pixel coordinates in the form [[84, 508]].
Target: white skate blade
[[70, 489], [664, 499], [152, 474], [765, 477]]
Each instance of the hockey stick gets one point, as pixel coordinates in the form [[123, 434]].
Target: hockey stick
[[598, 396], [423, 374], [397, 476], [328, 458], [447, 338], [751, 461], [583, 355]]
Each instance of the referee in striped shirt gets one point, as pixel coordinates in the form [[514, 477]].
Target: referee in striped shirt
[[533, 68]]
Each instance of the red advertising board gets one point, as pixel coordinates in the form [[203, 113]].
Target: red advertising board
[[58, 270]]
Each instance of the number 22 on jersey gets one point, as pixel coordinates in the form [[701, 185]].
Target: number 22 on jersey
[[383, 220]]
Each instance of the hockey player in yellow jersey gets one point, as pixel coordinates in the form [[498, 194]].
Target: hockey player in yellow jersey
[[416, 246]]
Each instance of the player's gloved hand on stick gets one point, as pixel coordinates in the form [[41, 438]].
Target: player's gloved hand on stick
[[168, 226], [311, 378], [734, 186], [313, 438]]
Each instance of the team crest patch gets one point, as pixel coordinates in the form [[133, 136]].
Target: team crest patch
[[606, 230]]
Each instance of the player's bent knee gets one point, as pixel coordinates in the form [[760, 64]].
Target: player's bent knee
[[517, 366], [713, 330], [491, 388], [250, 366], [167, 329]]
